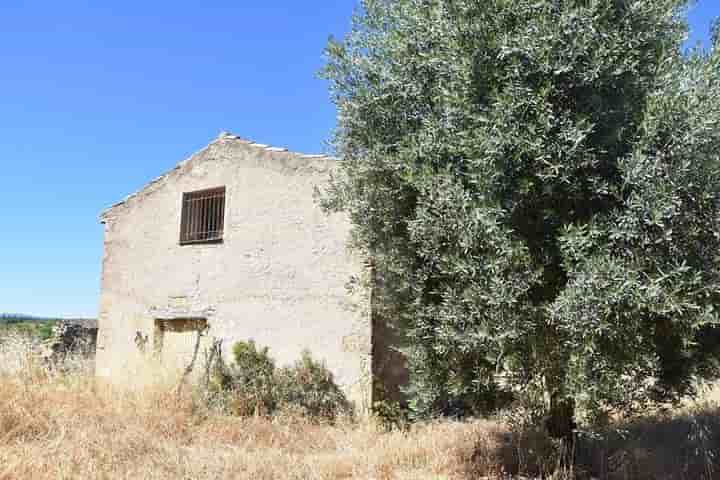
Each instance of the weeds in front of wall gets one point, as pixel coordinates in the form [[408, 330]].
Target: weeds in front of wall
[[63, 423]]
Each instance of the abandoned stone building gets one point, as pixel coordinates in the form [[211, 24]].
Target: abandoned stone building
[[232, 243]]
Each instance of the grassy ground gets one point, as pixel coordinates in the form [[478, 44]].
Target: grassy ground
[[68, 425]]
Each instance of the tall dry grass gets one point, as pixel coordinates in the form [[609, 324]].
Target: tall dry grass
[[63, 424], [79, 430]]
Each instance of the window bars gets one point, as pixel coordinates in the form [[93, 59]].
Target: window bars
[[203, 216]]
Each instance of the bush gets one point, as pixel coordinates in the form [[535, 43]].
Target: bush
[[252, 380], [250, 359], [391, 415], [253, 386], [309, 387]]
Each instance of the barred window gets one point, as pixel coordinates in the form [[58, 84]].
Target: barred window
[[203, 216]]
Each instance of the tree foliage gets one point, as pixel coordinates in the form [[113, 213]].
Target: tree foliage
[[538, 184]]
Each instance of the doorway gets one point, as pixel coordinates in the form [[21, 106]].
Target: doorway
[[179, 340]]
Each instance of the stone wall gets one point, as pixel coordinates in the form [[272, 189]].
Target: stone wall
[[71, 337], [282, 275]]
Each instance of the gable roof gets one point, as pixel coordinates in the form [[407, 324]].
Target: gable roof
[[223, 137]]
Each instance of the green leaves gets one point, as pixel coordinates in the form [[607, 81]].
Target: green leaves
[[538, 183]]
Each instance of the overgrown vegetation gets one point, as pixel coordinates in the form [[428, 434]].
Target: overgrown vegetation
[[252, 385], [65, 423], [538, 183], [40, 329]]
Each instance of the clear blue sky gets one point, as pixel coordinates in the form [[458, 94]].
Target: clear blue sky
[[97, 98]]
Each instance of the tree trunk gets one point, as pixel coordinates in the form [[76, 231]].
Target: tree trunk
[[560, 424]]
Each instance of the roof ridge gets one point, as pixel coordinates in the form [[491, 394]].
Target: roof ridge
[[224, 136]]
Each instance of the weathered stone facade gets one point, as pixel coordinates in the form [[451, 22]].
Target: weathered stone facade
[[281, 275]]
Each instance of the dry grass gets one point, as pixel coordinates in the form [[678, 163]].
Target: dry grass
[[76, 429], [62, 425], [67, 425]]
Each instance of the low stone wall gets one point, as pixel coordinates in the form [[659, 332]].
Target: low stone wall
[[77, 337]]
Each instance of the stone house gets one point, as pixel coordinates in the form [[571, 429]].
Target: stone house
[[232, 243]]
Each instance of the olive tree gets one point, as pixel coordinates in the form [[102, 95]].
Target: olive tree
[[538, 184]]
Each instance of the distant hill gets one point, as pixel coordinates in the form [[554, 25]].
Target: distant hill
[[21, 317], [25, 318]]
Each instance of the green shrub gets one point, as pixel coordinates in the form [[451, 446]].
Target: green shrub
[[391, 415], [252, 385], [308, 386], [252, 380], [45, 330], [251, 360]]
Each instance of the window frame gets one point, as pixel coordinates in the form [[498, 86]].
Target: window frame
[[186, 221]]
